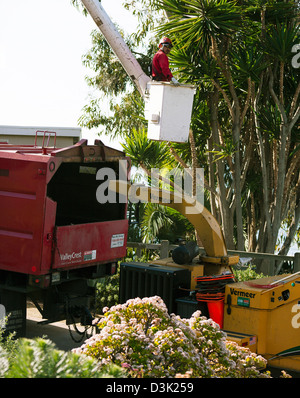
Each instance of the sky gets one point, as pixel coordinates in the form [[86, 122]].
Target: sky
[[42, 78]]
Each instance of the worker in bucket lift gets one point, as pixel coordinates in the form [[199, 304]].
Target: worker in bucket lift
[[160, 64]]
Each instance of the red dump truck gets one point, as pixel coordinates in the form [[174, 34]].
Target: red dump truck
[[56, 239]]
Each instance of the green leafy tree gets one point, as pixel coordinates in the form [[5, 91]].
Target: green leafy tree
[[246, 111], [241, 56], [113, 86]]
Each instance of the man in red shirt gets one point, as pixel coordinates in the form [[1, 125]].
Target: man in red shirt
[[160, 64]]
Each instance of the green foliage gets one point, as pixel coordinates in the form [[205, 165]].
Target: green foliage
[[107, 293], [161, 222], [248, 274], [240, 57], [148, 21], [141, 336], [145, 256], [8, 341], [248, 61], [115, 88], [39, 358], [280, 40], [194, 20], [158, 222], [144, 152]]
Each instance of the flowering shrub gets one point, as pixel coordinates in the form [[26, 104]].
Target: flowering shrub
[[142, 337]]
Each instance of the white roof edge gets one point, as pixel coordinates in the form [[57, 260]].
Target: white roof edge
[[31, 130]]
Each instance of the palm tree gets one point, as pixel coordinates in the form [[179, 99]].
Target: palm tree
[[155, 160], [246, 109], [240, 54]]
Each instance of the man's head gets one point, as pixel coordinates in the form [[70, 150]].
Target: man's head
[[165, 45]]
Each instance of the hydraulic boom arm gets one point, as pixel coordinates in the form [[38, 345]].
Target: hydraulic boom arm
[[208, 229], [118, 45]]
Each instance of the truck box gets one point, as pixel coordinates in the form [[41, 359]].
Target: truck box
[[50, 218], [55, 234]]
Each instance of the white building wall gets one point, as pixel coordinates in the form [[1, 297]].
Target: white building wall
[[25, 135]]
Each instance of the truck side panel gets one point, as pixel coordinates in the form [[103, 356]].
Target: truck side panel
[[86, 244], [22, 200]]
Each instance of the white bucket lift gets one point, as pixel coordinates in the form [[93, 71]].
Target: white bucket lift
[[168, 107], [168, 110]]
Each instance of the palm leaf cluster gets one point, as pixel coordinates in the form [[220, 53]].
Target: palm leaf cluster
[[239, 54], [245, 121]]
